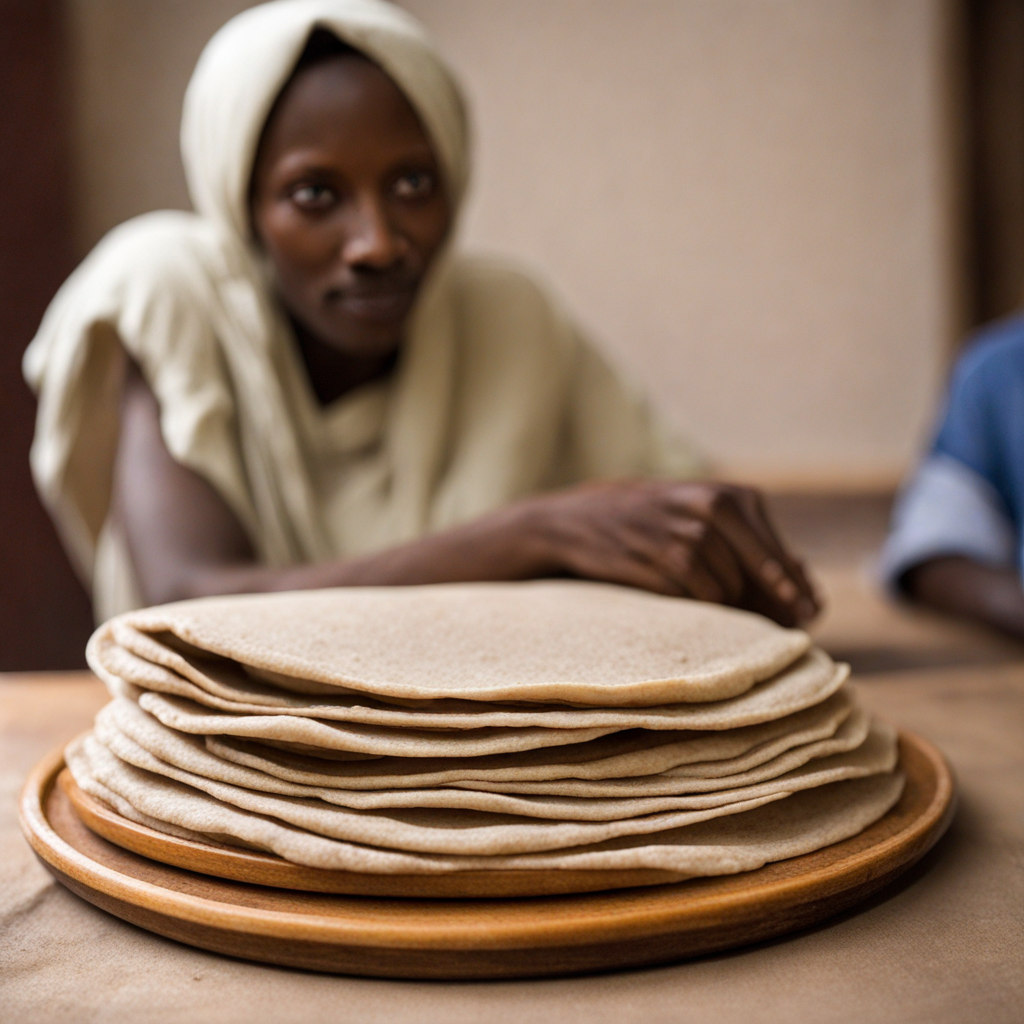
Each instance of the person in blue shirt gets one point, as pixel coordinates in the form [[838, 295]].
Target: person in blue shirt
[[956, 540]]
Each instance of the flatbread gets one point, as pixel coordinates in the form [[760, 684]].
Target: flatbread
[[550, 640], [490, 831], [620, 755], [850, 735], [742, 841], [135, 738], [186, 716], [483, 726], [131, 663], [426, 830]]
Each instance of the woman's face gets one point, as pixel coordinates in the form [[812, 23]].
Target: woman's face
[[348, 202]]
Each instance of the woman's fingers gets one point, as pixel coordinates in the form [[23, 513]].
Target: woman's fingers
[[793, 569], [712, 542], [689, 554], [679, 568], [613, 560], [715, 553], [695, 578], [646, 555], [629, 571], [774, 586], [765, 572]]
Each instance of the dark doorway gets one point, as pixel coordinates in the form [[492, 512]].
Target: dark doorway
[[44, 612]]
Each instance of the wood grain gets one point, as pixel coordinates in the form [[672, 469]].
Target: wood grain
[[488, 938]]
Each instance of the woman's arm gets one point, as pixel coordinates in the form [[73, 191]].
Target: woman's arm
[[962, 586], [704, 540]]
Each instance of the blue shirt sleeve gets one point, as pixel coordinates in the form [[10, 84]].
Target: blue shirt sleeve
[[983, 425]]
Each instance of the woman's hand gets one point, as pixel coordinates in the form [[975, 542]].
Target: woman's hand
[[709, 541]]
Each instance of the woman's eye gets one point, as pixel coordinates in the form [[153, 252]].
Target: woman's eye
[[414, 185], [313, 197]]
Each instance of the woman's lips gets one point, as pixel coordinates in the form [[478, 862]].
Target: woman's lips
[[383, 304]]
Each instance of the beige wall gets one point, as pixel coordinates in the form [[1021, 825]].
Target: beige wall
[[131, 61], [746, 202]]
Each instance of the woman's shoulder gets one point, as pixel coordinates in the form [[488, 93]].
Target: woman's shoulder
[[151, 279], [163, 266], [155, 246]]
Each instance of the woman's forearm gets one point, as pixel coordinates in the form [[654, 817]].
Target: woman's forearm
[[970, 589], [185, 542], [508, 544]]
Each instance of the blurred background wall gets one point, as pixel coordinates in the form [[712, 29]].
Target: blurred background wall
[[748, 202], [778, 215]]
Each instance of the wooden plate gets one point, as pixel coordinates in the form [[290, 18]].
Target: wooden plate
[[487, 938]]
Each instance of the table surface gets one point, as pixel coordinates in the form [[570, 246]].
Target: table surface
[[945, 944]]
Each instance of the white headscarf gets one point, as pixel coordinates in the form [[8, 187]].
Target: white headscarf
[[495, 395], [246, 64]]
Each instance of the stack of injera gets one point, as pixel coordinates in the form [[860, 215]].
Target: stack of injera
[[467, 727]]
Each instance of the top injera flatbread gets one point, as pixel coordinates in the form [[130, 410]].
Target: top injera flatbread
[[130, 663], [552, 641]]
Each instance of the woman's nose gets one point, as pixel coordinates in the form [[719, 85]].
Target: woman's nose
[[370, 238]]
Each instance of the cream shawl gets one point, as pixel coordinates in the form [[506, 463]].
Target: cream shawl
[[496, 394]]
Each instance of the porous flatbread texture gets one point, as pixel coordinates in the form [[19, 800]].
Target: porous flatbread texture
[[746, 839], [550, 641], [766, 703], [132, 663], [420, 830]]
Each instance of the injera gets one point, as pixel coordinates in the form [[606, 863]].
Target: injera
[[137, 739], [549, 640], [487, 725], [621, 755], [222, 686]]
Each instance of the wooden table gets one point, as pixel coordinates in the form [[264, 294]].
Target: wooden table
[[946, 945]]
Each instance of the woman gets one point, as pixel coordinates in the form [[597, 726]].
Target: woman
[[301, 385]]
